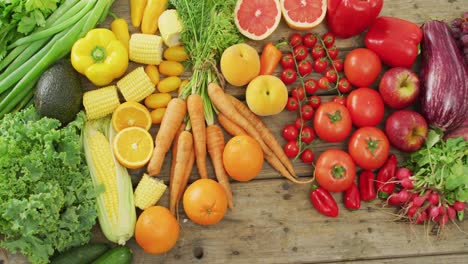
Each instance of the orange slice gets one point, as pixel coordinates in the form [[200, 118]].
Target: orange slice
[[131, 114], [133, 147], [303, 14], [257, 19]]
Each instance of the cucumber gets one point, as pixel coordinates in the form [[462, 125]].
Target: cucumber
[[117, 255], [81, 254]]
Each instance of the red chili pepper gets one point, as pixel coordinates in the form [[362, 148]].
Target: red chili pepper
[[395, 41], [385, 182], [366, 186], [323, 201], [352, 200], [269, 59]]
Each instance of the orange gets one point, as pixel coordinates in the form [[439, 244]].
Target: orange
[[133, 147], [303, 14], [257, 19], [205, 202], [156, 230], [130, 114], [243, 158]]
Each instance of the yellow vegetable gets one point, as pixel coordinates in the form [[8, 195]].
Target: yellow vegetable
[[136, 85], [100, 56], [157, 100], [153, 9], [169, 84], [120, 28], [170, 27], [115, 204], [149, 191], [182, 86], [176, 53], [171, 68], [137, 7], [100, 102], [153, 73], [146, 49], [157, 115]]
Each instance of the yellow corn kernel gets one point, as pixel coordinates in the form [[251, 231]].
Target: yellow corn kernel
[[148, 192], [146, 48], [101, 102], [136, 85]]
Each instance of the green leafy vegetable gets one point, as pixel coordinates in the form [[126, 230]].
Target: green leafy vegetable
[[47, 200]]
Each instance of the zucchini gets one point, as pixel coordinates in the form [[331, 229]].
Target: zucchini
[[117, 255], [81, 254]]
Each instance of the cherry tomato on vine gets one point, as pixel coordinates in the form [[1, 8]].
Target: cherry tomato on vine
[[307, 112], [298, 93], [292, 104], [310, 86], [331, 75], [290, 132], [323, 83], [307, 134], [366, 107], [300, 52], [287, 61], [362, 66], [288, 76], [335, 170], [295, 39], [344, 86], [339, 99], [338, 65], [299, 122], [333, 52], [318, 52], [328, 39], [305, 67], [309, 40], [307, 156], [320, 65], [315, 101], [332, 122], [369, 147], [291, 149]]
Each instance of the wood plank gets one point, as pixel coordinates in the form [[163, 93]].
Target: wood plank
[[437, 259]]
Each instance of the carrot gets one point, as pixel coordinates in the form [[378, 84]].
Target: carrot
[[269, 59], [174, 116], [215, 145], [197, 119], [277, 165], [229, 126], [184, 148], [174, 154], [265, 133], [186, 178]]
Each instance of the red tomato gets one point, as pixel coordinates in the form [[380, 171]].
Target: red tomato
[[298, 93], [344, 86], [362, 67], [292, 104], [307, 112], [365, 106], [299, 122], [290, 132], [318, 52], [333, 52], [307, 134], [320, 65], [335, 170], [369, 147], [307, 156], [300, 52], [339, 99], [332, 122], [328, 39], [331, 75], [311, 86], [288, 76], [338, 65], [291, 149], [323, 83], [295, 39], [309, 40], [315, 101], [287, 61], [305, 67]]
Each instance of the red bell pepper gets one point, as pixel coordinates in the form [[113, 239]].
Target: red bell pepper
[[347, 18], [323, 201], [366, 186], [395, 41], [385, 182], [352, 200]]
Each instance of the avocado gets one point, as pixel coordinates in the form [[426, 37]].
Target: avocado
[[59, 93]]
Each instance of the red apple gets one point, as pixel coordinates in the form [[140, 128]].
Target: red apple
[[406, 130], [399, 87]]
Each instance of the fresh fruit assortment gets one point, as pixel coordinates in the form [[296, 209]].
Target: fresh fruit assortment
[[99, 149]]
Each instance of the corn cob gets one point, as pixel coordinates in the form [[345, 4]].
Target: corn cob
[[136, 85], [146, 48], [100, 102], [148, 192]]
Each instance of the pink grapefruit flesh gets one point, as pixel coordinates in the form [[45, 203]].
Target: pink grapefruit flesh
[[257, 19], [303, 14]]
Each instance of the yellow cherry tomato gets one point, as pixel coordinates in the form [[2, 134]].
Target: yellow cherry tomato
[[169, 84], [157, 100], [157, 115]]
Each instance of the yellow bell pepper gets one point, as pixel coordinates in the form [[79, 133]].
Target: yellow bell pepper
[[100, 56]]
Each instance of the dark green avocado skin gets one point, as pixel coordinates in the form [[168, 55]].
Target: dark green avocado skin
[[59, 93]]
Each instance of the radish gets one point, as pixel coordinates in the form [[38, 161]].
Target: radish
[[451, 212], [434, 212], [412, 211], [418, 201], [459, 206], [433, 198], [402, 173], [394, 199], [422, 217], [443, 219], [403, 196], [407, 183]]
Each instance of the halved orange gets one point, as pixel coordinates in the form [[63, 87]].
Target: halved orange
[[131, 114], [303, 14], [133, 147]]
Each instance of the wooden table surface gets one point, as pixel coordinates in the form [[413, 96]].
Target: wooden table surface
[[273, 220]]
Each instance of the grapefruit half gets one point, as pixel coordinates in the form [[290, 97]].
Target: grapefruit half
[[303, 14], [257, 19]]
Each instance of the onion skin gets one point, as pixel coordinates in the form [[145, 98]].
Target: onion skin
[[444, 78]]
